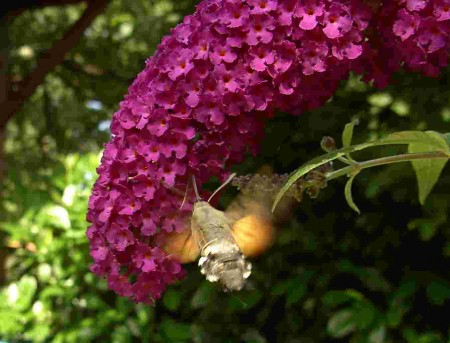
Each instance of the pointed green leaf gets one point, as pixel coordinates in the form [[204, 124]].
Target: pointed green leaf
[[431, 138], [447, 137], [348, 194], [428, 170], [347, 136], [341, 324]]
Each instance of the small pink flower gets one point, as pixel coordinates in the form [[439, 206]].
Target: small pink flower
[[262, 6], [406, 25], [286, 10], [181, 63], [432, 36], [144, 187], [308, 13], [119, 238], [226, 79], [416, 5], [262, 57], [348, 46], [285, 55], [222, 53], [237, 38], [313, 56], [337, 20], [235, 14], [192, 88], [441, 10], [159, 122], [259, 29]]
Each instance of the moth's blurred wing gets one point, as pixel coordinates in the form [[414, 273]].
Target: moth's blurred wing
[[182, 246], [253, 234], [250, 216]]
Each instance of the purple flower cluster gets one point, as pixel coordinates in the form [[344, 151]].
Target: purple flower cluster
[[413, 34], [201, 102]]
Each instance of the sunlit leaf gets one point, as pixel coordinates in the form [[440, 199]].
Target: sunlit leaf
[[335, 298], [411, 137], [428, 170], [341, 324], [446, 136], [347, 136], [11, 322], [21, 293], [55, 215], [69, 195], [380, 99], [378, 335]]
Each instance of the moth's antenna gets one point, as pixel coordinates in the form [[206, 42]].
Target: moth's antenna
[[185, 196], [195, 189], [230, 178]]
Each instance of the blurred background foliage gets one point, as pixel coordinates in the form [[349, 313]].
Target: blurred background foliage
[[332, 276]]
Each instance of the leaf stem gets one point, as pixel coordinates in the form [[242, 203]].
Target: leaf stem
[[357, 167]]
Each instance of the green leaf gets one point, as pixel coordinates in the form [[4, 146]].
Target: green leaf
[[54, 215], [175, 332], [438, 292], [172, 299], [245, 301], [401, 137], [297, 290], [204, 295], [411, 137], [364, 314], [12, 323], [252, 336], [335, 298], [377, 335], [380, 99], [341, 324], [347, 136], [446, 136], [21, 294], [348, 194], [428, 170]]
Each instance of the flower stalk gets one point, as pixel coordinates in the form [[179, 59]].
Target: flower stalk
[[355, 168]]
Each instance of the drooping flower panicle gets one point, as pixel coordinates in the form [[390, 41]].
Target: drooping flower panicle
[[201, 102]]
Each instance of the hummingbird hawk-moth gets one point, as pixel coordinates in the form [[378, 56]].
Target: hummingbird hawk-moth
[[224, 239]]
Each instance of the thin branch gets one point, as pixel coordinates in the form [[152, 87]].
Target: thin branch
[[49, 60]]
